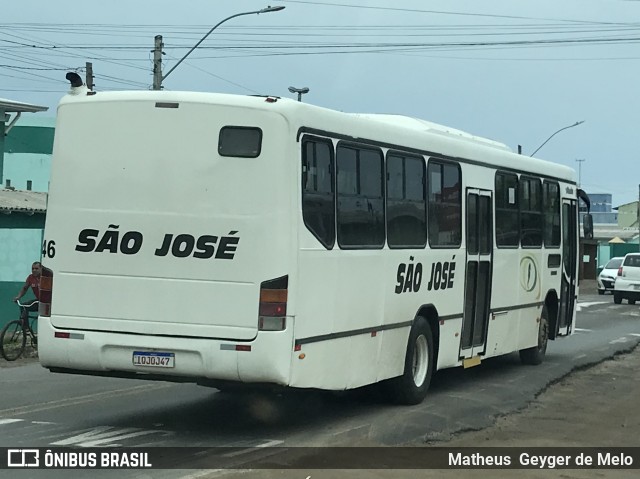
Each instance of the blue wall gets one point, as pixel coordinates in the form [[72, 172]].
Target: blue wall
[[22, 167], [27, 156]]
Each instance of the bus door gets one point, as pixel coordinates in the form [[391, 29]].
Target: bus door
[[569, 269], [477, 292]]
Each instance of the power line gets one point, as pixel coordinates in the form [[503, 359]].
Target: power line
[[442, 12], [239, 41], [32, 68]]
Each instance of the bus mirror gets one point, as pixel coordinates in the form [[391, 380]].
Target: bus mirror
[[587, 224]]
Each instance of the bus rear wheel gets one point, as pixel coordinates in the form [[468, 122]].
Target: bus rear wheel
[[412, 386], [535, 355]]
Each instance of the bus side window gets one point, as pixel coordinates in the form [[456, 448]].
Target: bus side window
[[507, 227], [445, 204], [406, 202], [318, 199], [551, 205], [360, 194], [240, 141], [530, 212]]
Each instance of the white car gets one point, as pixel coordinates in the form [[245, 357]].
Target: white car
[[627, 285], [607, 276]]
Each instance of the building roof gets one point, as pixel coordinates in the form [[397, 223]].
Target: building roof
[[21, 201], [606, 232], [37, 121], [625, 204], [10, 106]]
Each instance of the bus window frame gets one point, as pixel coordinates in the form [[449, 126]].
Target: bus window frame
[[240, 127], [404, 155], [521, 212], [358, 147], [544, 213], [332, 171], [442, 162], [495, 208]]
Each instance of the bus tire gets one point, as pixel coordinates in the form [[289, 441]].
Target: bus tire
[[535, 355], [412, 386], [617, 298]]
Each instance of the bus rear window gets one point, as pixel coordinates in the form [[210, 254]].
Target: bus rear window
[[240, 141]]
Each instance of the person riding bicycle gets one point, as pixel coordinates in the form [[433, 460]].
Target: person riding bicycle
[[33, 282]]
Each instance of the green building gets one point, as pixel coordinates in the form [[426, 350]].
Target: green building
[[25, 162]]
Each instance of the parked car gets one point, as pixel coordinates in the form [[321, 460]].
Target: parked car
[[627, 285], [607, 276]]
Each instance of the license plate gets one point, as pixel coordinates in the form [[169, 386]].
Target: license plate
[[154, 359]]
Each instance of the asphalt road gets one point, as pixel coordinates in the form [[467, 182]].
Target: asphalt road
[[38, 408]]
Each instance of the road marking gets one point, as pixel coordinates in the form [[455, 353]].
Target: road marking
[[587, 304], [581, 356], [270, 443], [105, 436], [582, 330], [218, 472], [634, 334], [623, 339], [9, 421], [81, 399], [205, 472]]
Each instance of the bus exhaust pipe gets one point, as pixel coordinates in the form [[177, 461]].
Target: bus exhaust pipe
[[77, 86]]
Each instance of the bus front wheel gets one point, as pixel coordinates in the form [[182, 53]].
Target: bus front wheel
[[535, 355], [412, 386]]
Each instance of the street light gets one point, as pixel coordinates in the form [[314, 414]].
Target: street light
[[299, 91], [566, 127], [264, 10]]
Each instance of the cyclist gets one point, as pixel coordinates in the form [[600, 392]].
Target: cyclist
[[33, 282]]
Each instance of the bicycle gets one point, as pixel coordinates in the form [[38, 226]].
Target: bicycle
[[13, 338]]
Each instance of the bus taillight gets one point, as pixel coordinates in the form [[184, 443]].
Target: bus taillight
[[272, 310], [46, 292]]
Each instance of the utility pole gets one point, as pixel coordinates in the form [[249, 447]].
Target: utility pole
[[157, 63], [89, 76], [580, 171]]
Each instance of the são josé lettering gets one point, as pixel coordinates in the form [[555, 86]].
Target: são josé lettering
[[179, 246], [409, 277]]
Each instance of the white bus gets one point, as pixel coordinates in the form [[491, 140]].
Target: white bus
[[225, 239]]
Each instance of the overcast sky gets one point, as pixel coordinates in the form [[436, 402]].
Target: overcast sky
[[512, 71]]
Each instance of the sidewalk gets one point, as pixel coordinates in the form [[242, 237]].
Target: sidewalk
[[588, 286]]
